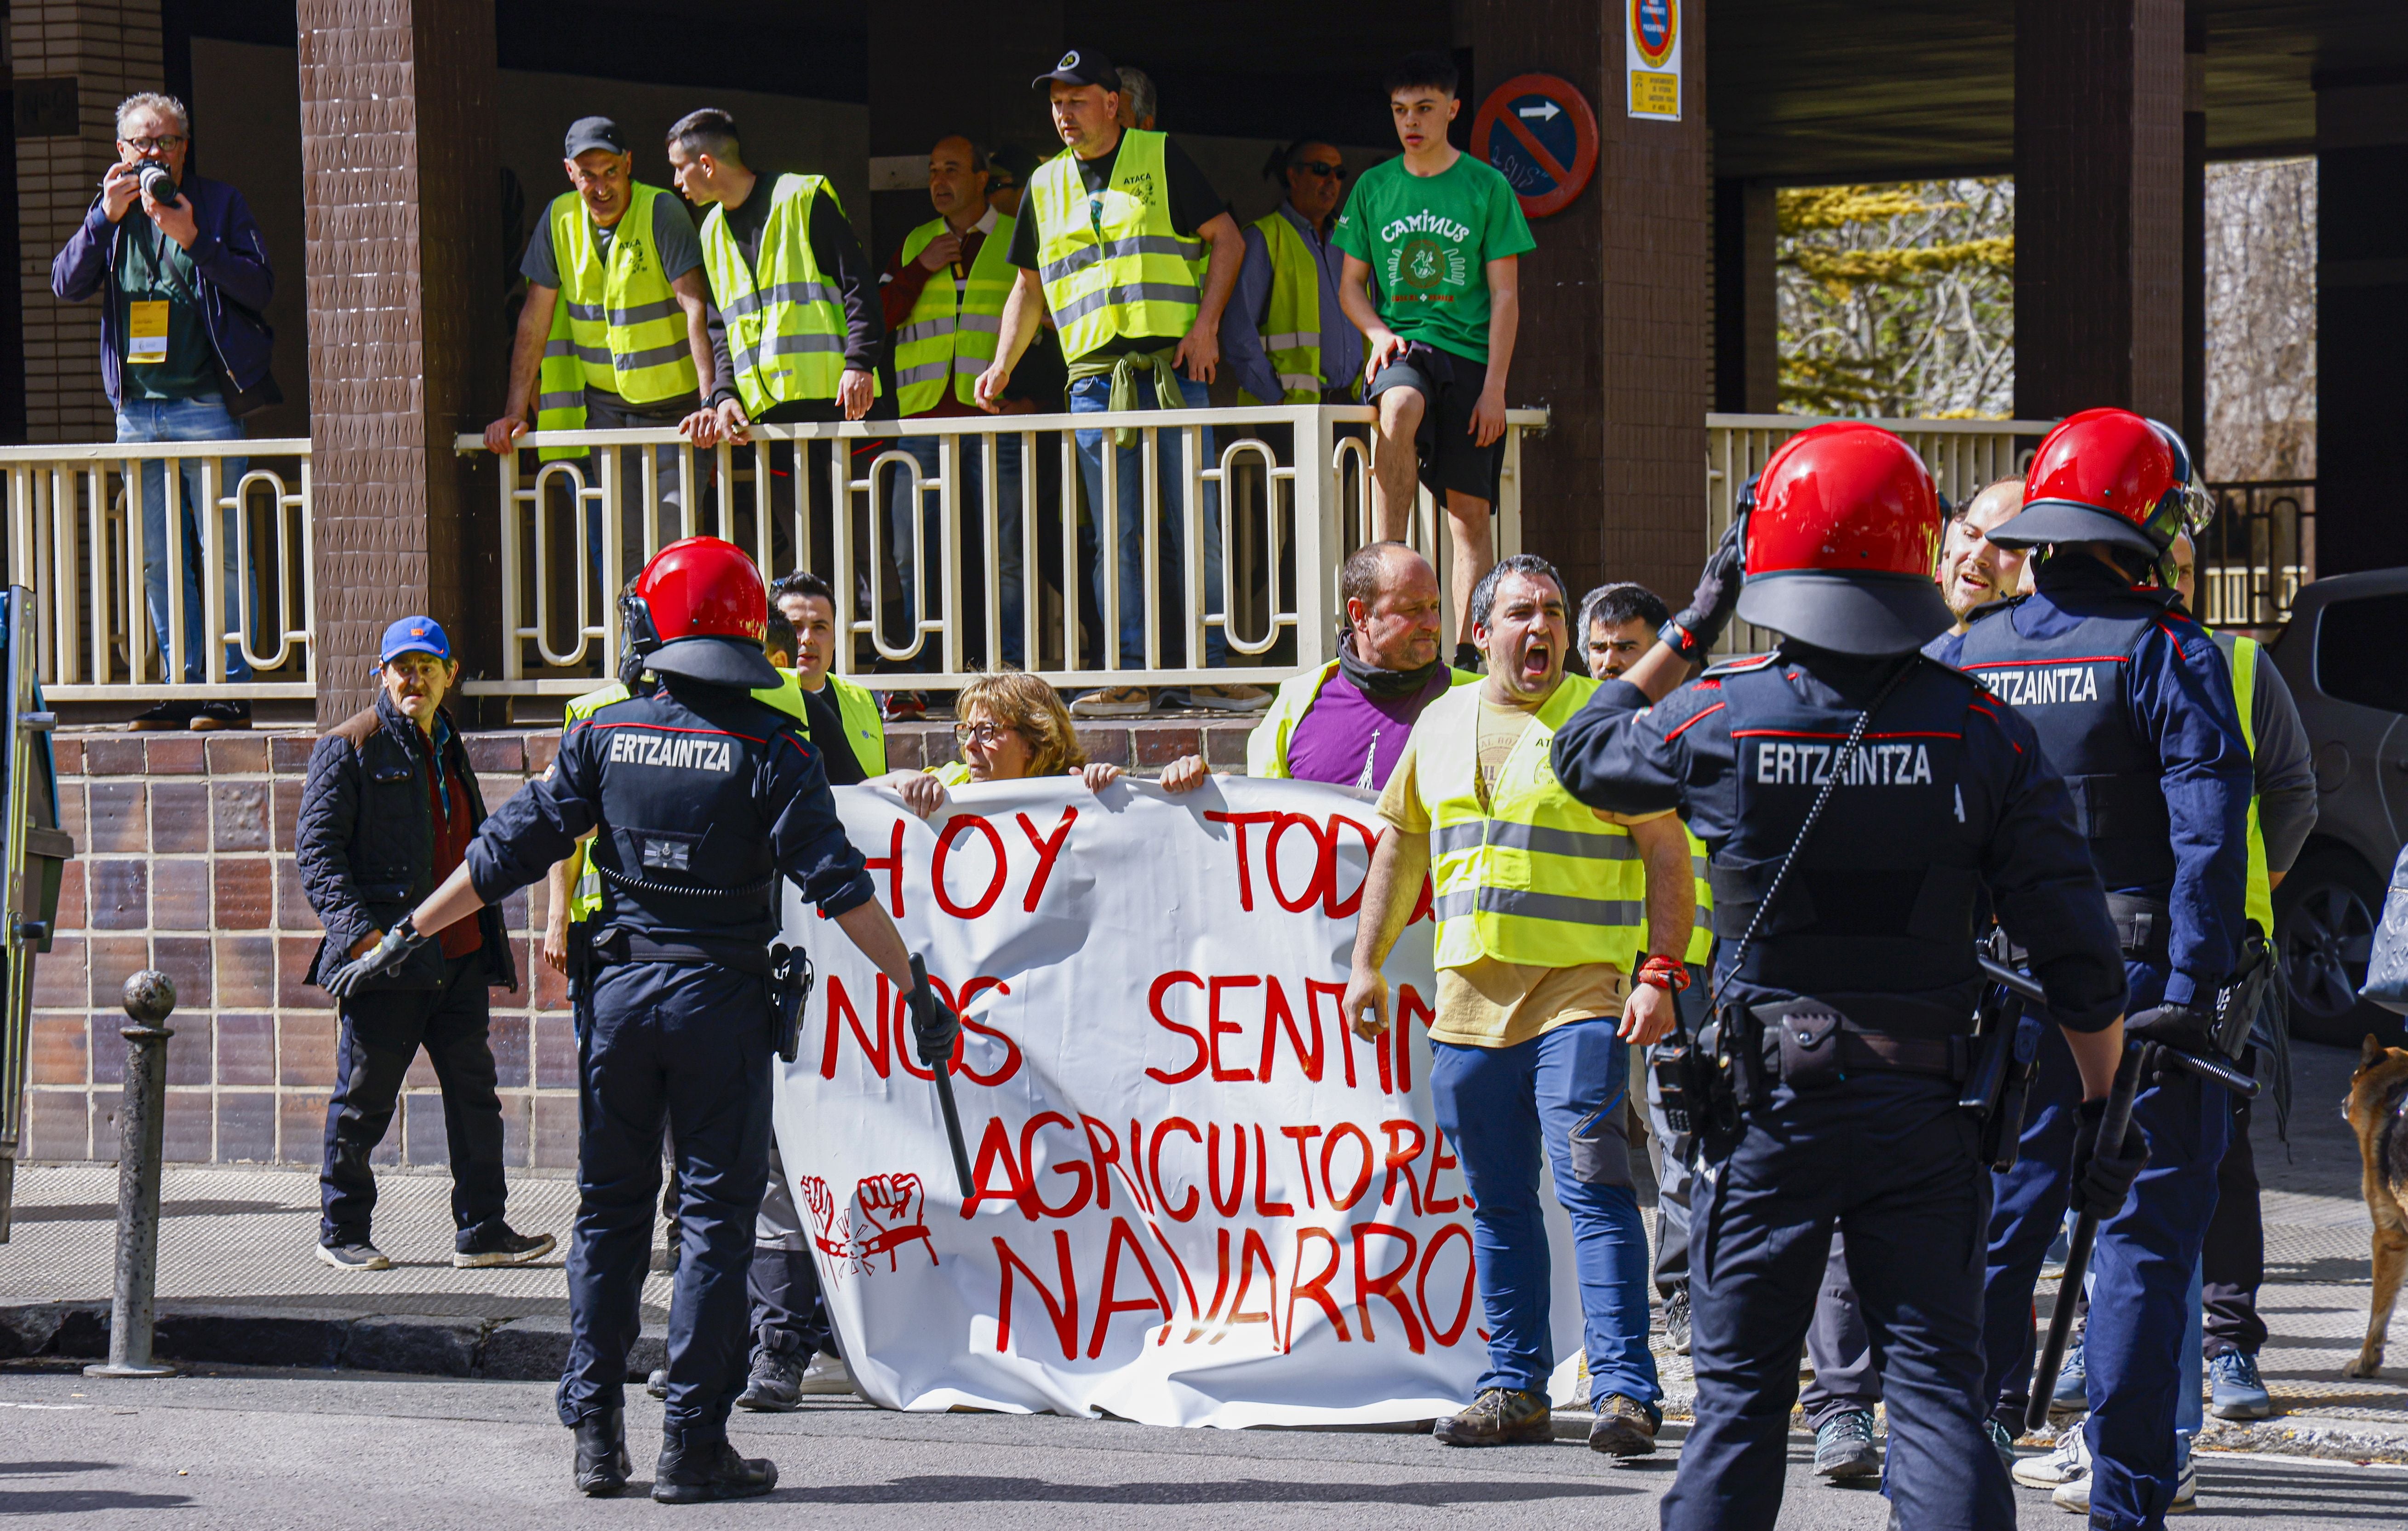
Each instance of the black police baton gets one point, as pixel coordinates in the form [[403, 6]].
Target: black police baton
[[2213, 1070], [943, 1072]]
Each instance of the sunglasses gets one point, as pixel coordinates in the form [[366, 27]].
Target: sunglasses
[[1319, 168]]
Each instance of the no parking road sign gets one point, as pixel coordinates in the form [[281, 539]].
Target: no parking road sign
[[1539, 132]]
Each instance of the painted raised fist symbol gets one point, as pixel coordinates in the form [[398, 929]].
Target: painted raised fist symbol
[[892, 1210]]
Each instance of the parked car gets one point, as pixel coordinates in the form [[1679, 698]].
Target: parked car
[[2346, 656]]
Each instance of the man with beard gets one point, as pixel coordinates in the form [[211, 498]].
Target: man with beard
[[1348, 721], [1973, 570]]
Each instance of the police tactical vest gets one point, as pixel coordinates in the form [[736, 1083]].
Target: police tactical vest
[[1292, 317], [2244, 655], [1112, 263], [1876, 916], [617, 325], [944, 338], [2075, 691], [785, 323]]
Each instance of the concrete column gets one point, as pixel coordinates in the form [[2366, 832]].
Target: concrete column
[[405, 321], [71, 62], [954, 67], [2361, 326], [1747, 321], [2098, 206], [1613, 307]]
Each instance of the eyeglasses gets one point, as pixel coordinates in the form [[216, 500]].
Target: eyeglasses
[[982, 733], [1320, 168], [152, 146]]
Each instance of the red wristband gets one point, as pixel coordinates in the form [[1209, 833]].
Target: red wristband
[[1668, 973]]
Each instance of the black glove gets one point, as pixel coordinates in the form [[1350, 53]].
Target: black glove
[[934, 1024], [2186, 1029], [1697, 627], [383, 957], [2103, 1178]]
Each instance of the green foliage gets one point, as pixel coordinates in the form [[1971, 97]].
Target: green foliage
[[1898, 300]]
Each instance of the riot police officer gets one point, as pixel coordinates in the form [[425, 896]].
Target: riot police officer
[[1858, 803], [703, 799], [2132, 701]]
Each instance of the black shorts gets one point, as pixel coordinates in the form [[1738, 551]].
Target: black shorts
[[1450, 388]]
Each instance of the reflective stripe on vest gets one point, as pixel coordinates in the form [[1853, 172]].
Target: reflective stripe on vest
[[2241, 654], [785, 326], [617, 323], [937, 339], [1112, 266], [1292, 317], [1534, 879]]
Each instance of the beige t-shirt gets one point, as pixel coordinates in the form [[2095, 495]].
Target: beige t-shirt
[[1491, 1003]]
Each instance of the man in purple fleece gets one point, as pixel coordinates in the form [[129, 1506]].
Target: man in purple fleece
[[1347, 722]]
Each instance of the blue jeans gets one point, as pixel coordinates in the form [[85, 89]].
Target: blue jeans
[[903, 536], [1500, 1104], [202, 419], [1092, 395]]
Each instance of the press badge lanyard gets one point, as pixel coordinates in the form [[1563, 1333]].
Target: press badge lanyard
[[146, 337]]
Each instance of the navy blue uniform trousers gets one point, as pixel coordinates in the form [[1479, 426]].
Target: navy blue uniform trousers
[[1889, 1159], [688, 1043], [2141, 1292]]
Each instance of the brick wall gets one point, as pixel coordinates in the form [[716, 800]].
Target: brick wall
[[112, 50], [184, 862]]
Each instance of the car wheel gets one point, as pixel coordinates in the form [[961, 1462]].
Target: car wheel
[[2325, 917]]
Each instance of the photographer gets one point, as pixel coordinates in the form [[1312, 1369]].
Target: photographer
[[184, 353]]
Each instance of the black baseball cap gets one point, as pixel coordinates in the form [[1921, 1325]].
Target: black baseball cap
[[594, 133], [1082, 67]]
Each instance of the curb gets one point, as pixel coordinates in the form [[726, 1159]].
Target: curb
[[528, 1349]]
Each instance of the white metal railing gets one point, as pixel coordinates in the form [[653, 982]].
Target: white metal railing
[[1291, 484], [1964, 456], [77, 539]]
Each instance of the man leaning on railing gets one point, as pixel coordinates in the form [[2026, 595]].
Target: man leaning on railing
[[184, 353]]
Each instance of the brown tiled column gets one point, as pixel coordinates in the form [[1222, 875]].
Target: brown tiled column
[[1613, 307], [405, 318], [2098, 206]]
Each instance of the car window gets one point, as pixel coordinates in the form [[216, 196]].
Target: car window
[[2358, 644]]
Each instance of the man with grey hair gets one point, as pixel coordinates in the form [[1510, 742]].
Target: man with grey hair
[[184, 354], [1138, 98]]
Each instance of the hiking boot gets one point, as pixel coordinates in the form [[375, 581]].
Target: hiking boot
[[1230, 698], [1501, 1416], [165, 715], [657, 1383], [1114, 702], [602, 1466], [2069, 1461], [362, 1255], [1676, 1322], [698, 1472], [474, 1251], [772, 1388], [215, 715], [1623, 1427], [828, 1376], [1844, 1447], [2239, 1395], [2073, 1394]]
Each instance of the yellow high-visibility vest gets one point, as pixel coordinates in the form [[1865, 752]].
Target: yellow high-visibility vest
[[944, 338], [1292, 317], [2241, 654], [617, 326], [1112, 264], [785, 321], [1266, 746], [865, 731]]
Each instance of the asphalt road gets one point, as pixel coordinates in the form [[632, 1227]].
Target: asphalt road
[[256, 1450]]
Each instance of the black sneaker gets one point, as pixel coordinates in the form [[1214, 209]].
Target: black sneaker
[[1844, 1448], [775, 1386], [165, 715], [360, 1257], [707, 1470], [657, 1383], [503, 1247], [1623, 1427], [1500, 1417], [602, 1466], [1676, 1320], [215, 715]]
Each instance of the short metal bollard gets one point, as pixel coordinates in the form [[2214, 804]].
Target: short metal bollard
[[142, 1131]]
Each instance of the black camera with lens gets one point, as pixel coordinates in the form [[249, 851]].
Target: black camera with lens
[[158, 182]]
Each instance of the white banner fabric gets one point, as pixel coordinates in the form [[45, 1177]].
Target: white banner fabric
[[1200, 1199]]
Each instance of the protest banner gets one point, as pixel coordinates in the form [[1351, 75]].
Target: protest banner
[[1199, 1198]]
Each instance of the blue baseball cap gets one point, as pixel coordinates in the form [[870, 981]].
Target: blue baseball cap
[[413, 636]]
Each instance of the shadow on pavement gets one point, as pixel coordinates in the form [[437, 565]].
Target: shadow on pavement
[[1243, 1491]]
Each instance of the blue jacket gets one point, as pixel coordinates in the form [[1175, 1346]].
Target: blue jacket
[[236, 284]]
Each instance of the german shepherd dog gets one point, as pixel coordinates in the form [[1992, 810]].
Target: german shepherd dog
[[2378, 1110]]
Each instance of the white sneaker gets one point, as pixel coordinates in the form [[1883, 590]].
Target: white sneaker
[[2072, 1496], [826, 1376], [2069, 1461], [1114, 702], [2186, 1489]]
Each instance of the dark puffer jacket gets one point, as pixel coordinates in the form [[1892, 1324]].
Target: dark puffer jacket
[[366, 842]]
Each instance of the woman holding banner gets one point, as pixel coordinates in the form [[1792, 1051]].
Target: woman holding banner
[[1014, 727]]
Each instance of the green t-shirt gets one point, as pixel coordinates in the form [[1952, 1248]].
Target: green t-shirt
[[154, 268], [1429, 241]]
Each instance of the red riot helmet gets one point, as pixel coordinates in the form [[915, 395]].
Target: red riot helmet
[[701, 611], [1842, 541], [2104, 476]]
